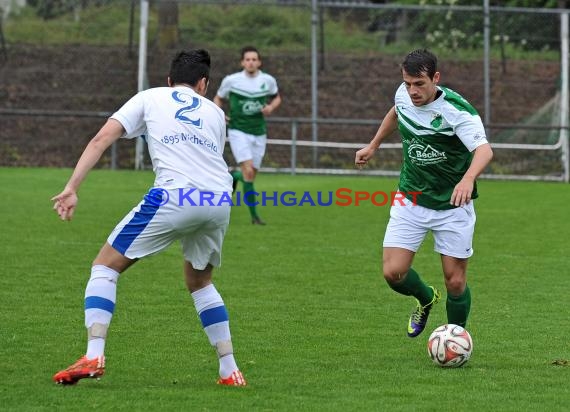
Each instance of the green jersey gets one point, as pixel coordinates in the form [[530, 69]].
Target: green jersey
[[247, 95], [437, 140]]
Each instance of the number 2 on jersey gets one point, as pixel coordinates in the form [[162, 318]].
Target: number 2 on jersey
[[181, 114]]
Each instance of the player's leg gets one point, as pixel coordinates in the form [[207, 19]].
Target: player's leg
[[143, 231], [258, 144], [202, 251], [215, 321], [237, 177], [402, 278], [458, 303], [406, 230], [248, 150], [249, 173], [454, 240], [241, 145], [100, 298]]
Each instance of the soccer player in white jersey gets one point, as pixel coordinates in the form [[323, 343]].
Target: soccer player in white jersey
[[252, 94], [445, 149], [190, 202]]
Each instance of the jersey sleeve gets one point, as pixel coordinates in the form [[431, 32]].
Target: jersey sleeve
[[401, 97], [273, 88], [470, 130], [131, 116], [225, 86]]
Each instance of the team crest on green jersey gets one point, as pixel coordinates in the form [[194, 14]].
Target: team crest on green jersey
[[436, 121]]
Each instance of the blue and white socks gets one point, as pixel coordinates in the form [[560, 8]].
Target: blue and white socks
[[214, 318], [100, 297]]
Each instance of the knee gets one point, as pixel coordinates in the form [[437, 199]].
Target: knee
[[455, 284], [195, 284], [197, 279], [393, 274], [248, 173]]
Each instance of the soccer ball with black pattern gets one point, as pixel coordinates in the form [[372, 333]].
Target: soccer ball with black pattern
[[450, 346]]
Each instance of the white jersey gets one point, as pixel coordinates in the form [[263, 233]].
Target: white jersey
[[185, 134]]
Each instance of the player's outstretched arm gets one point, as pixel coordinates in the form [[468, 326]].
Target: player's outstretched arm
[[387, 127], [66, 201]]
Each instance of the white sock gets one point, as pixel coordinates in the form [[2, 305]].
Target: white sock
[[214, 318], [227, 365], [100, 297], [95, 348]]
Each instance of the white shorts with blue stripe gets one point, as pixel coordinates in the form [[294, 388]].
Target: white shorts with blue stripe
[[163, 216]]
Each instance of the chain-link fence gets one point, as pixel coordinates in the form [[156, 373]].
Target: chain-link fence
[[82, 56]]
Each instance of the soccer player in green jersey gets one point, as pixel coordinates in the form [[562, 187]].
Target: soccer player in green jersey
[[252, 94], [444, 149]]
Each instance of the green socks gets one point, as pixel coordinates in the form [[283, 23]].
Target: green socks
[[237, 175], [413, 285], [458, 307], [249, 197]]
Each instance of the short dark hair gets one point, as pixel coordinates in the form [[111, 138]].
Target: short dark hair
[[420, 61], [190, 66], [248, 49]]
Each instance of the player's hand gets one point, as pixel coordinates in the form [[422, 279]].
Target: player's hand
[[267, 110], [65, 203], [363, 155], [462, 192]]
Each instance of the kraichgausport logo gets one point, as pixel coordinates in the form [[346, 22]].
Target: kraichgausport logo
[[340, 197]]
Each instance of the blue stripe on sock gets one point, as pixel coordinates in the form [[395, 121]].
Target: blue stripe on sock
[[214, 315], [97, 302], [139, 222]]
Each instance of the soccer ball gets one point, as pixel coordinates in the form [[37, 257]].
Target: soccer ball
[[450, 346]]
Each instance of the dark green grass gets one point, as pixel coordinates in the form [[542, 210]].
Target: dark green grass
[[314, 325]]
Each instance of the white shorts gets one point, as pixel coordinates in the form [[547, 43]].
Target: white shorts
[[247, 146], [164, 216], [452, 229]]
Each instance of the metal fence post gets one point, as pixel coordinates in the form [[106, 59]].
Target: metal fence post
[[487, 64], [114, 156], [139, 149], [314, 76], [2, 42], [564, 93], [294, 125]]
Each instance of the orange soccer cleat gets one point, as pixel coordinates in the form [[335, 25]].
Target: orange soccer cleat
[[235, 379], [83, 368]]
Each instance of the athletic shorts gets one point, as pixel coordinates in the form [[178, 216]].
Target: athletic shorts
[[452, 229], [247, 146], [164, 216]]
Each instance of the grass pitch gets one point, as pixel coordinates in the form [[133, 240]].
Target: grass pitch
[[314, 325]]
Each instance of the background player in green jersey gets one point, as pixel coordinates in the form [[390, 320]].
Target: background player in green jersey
[[444, 149], [252, 94]]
